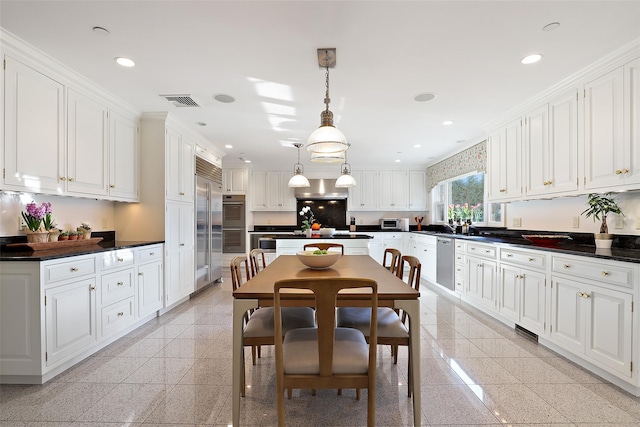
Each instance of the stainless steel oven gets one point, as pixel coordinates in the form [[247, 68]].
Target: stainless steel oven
[[233, 240]]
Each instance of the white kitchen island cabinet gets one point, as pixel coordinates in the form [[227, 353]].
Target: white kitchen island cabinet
[[352, 246], [56, 312]]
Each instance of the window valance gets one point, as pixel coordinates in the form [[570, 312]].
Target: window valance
[[470, 160]]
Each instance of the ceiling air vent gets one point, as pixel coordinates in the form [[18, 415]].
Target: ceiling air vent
[[181, 100]]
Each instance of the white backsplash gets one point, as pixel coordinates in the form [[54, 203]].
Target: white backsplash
[[69, 212]]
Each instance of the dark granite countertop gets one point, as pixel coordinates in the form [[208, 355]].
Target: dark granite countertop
[[315, 237], [19, 254]]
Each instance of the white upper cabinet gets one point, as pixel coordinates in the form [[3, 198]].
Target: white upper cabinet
[[270, 192], [124, 146], [394, 190], [180, 160], [34, 157], [364, 196], [234, 181], [418, 191], [504, 148], [97, 155], [551, 147], [87, 145]]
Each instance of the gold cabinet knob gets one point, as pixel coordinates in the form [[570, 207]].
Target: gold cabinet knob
[[71, 179], [618, 171], [182, 193], [140, 274], [625, 170], [605, 273], [509, 255], [503, 190], [586, 295], [120, 259], [62, 178], [565, 266], [120, 313], [580, 294], [530, 259], [74, 269], [152, 253], [93, 288], [120, 283], [112, 186]]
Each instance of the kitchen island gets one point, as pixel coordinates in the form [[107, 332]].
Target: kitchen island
[[354, 244]]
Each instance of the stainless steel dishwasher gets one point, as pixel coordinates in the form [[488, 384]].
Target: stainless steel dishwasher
[[445, 262]]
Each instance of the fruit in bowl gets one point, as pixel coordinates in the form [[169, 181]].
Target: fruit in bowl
[[318, 259], [315, 226]]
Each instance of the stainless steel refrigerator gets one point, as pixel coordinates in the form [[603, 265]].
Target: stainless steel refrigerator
[[208, 231]]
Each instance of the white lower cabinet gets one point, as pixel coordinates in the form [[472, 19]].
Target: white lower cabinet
[[426, 254], [482, 271], [70, 319], [55, 313], [293, 246], [593, 322]]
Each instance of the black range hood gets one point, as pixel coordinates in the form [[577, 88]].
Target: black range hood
[[321, 189]]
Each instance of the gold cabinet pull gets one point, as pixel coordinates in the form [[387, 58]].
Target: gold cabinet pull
[[120, 313], [580, 294], [140, 274], [487, 251], [509, 255], [586, 295], [62, 178], [71, 179], [182, 193], [181, 244], [112, 186], [565, 266], [152, 253], [530, 259], [120, 283], [625, 170], [120, 259], [93, 288], [74, 269], [503, 190], [618, 171], [605, 273]]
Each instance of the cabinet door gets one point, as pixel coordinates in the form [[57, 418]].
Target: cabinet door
[[604, 136], [259, 191], [489, 284], [179, 260], [87, 145], [187, 170], [474, 278], [364, 196], [417, 191], [173, 154], [234, 181], [33, 131], [567, 314], [123, 157], [608, 334], [503, 164], [509, 292], [563, 143], [70, 312], [533, 301], [394, 190], [150, 289], [536, 140], [273, 198], [632, 122]]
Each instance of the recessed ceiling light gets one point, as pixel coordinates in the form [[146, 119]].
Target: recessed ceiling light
[[228, 146], [221, 97], [101, 31], [531, 59], [417, 146], [447, 123], [424, 97], [247, 161], [125, 62], [201, 123], [551, 27], [397, 160], [460, 141]]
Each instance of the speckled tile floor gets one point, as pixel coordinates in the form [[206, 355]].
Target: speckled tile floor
[[176, 371]]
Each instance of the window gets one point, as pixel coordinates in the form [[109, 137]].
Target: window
[[463, 198]]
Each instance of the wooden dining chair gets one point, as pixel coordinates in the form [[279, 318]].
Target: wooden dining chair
[[258, 328], [396, 258], [257, 260], [326, 356], [324, 246], [391, 327]]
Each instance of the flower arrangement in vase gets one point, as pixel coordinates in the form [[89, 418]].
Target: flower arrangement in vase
[[308, 223], [33, 217], [84, 230]]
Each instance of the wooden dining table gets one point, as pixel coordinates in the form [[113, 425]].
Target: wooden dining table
[[392, 292]]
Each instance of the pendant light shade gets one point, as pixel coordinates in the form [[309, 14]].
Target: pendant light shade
[[335, 157], [327, 140], [345, 180], [298, 179]]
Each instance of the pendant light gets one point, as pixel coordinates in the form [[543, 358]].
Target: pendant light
[[328, 157], [345, 180], [326, 141], [298, 179]]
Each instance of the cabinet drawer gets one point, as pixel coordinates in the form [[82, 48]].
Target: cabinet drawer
[[612, 273], [69, 269], [117, 317], [116, 286], [524, 258], [484, 251], [461, 246], [152, 253], [461, 259], [117, 259]]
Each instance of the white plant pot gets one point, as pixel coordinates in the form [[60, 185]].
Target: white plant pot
[[603, 241]]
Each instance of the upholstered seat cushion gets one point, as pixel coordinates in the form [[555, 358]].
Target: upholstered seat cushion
[[261, 321], [389, 323], [300, 352]]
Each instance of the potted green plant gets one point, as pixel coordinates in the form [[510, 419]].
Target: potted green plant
[[84, 231], [600, 205], [63, 236], [73, 235]]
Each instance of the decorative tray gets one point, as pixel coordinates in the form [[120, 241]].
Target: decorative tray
[[549, 240], [55, 245]]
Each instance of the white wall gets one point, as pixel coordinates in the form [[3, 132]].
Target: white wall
[[558, 214], [362, 218], [68, 212]]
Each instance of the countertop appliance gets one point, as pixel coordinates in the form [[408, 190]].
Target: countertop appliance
[[208, 223], [445, 262], [391, 224]]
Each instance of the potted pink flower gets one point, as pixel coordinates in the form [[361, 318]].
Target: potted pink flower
[[33, 217]]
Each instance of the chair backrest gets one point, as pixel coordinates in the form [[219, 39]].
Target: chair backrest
[[236, 271], [326, 291], [256, 256], [396, 259], [413, 279], [325, 246]]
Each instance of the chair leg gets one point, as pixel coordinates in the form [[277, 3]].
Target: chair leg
[[339, 392], [244, 383], [259, 351], [410, 371], [289, 393], [253, 354], [280, 403], [357, 394], [395, 354], [313, 392], [371, 406]]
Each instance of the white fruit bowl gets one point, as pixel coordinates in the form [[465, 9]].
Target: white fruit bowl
[[318, 262], [327, 231]]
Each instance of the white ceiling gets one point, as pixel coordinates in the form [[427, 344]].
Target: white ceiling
[[264, 55]]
